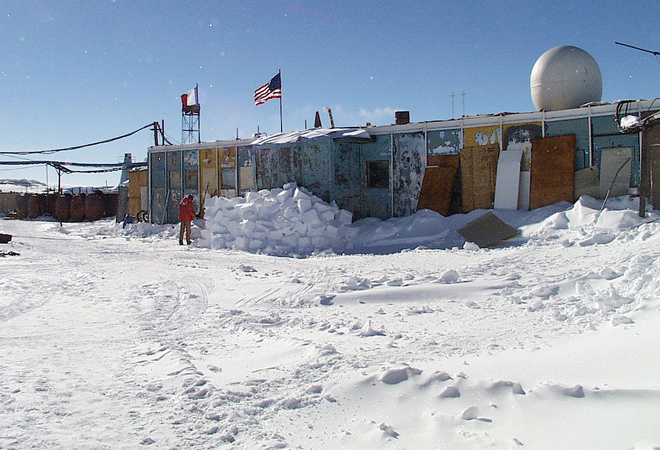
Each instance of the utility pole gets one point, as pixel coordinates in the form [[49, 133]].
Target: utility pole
[[645, 171]]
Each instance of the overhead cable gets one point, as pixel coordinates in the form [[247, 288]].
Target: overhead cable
[[57, 150]]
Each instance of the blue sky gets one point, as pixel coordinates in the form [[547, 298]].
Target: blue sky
[[79, 71]]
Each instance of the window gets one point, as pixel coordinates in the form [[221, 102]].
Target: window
[[228, 178], [175, 179], [191, 180], [378, 174]]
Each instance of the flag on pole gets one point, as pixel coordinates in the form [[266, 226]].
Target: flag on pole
[[272, 89], [190, 98]]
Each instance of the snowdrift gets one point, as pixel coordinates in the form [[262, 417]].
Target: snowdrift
[[292, 221]]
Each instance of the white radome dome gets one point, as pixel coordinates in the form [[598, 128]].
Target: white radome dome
[[565, 77]]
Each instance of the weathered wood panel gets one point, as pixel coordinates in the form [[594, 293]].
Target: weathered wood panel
[[553, 170], [479, 176], [436, 190]]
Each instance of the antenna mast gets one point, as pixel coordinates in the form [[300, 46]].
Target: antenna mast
[[638, 48]]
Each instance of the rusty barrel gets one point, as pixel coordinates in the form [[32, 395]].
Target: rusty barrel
[[33, 206], [49, 204], [61, 208], [110, 204], [77, 208], [21, 206], [94, 206]]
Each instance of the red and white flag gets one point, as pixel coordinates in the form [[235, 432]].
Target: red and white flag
[[190, 98]]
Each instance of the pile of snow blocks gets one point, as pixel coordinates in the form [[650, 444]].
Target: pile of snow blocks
[[287, 221]]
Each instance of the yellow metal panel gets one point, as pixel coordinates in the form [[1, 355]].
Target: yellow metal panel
[[227, 157], [478, 136], [208, 157], [208, 163]]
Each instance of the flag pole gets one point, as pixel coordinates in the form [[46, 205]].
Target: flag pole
[[281, 126]]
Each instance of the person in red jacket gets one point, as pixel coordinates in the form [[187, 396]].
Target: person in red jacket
[[186, 215]]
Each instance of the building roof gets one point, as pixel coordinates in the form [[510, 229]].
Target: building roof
[[315, 133]]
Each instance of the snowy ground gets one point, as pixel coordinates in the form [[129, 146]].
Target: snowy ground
[[120, 338]]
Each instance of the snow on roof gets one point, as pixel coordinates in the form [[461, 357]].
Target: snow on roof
[[315, 133]]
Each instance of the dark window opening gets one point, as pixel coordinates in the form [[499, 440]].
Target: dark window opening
[[378, 174]]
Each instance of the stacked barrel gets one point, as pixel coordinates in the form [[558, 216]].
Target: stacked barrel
[[67, 207]]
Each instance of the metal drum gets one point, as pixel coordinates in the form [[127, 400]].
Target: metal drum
[[94, 206], [77, 208], [62, 208]]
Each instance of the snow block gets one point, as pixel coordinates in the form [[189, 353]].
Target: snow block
[[344, 217]]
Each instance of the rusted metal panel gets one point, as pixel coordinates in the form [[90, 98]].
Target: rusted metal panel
[[265, 167], [651, 163], [290, 165], [408, 164], [317, 167]]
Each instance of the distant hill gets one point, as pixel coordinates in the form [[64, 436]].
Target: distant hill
[[36, 187]]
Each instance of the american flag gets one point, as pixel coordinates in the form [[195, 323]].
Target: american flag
[[272, 89]]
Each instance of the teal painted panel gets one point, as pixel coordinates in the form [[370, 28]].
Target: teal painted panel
[[317, 168], [579, 128], [444, 142], [346, 189], [408, 164], [604, 125], [378, 150], [158, 167], [158, 170], [375, 202], [607, 135], [624, 140], [174, 186]]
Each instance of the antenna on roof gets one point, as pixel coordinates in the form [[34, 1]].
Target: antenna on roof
[[638, 48], [462, 94]]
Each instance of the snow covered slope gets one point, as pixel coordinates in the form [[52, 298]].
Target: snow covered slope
[[121, 338]]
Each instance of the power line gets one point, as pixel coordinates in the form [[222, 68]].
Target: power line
[[48, 152], [66, 166]]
